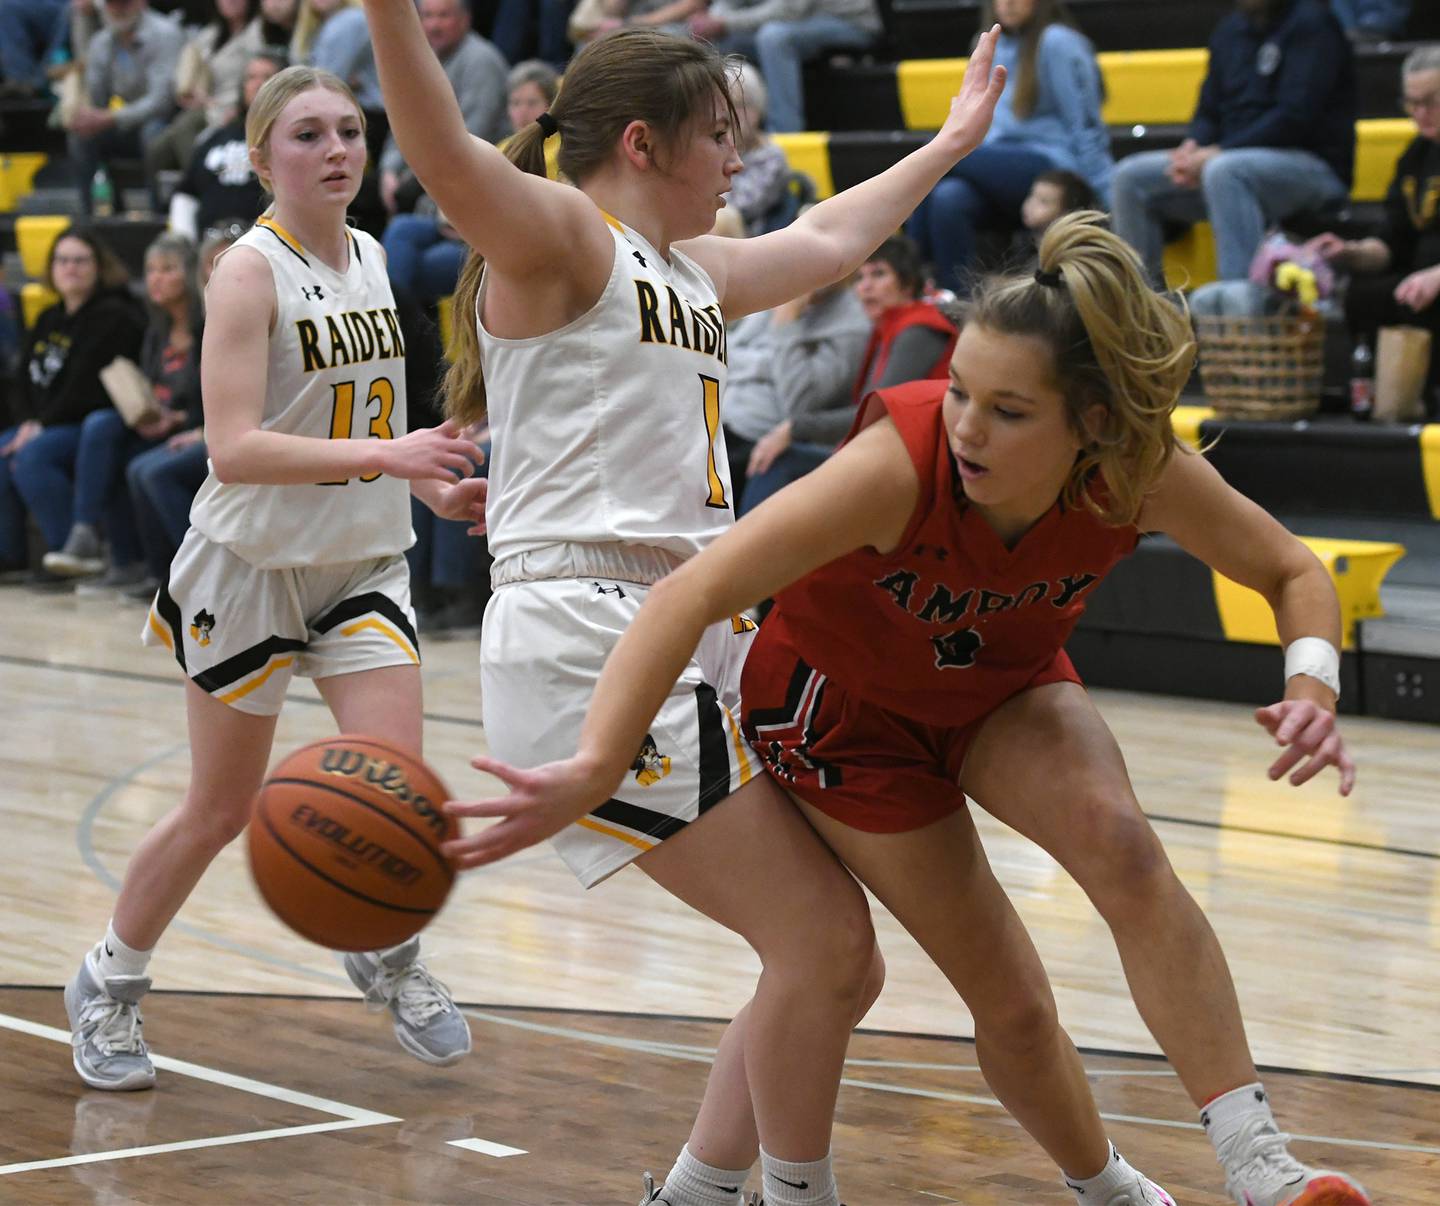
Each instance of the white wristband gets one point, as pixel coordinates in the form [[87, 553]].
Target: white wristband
[[1317, 658]]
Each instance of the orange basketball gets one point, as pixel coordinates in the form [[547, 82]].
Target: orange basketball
[[345, 843]]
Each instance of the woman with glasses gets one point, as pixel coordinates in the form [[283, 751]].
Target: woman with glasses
[[1397, 271]]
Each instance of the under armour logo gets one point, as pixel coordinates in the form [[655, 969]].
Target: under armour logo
[[641, 258], [313, 294], [608, 590]]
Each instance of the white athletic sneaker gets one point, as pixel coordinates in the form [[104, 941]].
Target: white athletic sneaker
[[80, 555], [1144, 1193], [1260, 1171], [105, 1023], [426, 1021]]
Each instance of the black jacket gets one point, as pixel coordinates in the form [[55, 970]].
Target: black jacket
[[65, 353], [1412, 209], [1289, 83]]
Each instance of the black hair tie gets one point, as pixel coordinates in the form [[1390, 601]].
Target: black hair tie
[[1051, 279], [548, 124]]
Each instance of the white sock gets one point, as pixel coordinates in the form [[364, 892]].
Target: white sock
[[1115, 1176], [1223, 1116], [694, 1183], [790, 1183], [114, 958]]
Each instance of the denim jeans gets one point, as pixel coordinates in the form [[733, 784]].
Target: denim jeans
[[420, 260], [1242, 192], [782, 48], [1386, 17], [516, 20], [986, 188], [790, 466], [30, 31], [163, 482], [107, 446], [42, 478]]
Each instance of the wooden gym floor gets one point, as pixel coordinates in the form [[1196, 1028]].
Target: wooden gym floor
[[594, 1014]]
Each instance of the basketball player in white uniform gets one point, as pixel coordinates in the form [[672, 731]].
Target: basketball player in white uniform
[[599, 346], [294, 561]]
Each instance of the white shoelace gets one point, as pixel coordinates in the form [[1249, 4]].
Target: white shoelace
[[117, 1027], [418, 995], [1267, 1163]]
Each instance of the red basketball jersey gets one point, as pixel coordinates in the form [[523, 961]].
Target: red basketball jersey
[[951, 623]]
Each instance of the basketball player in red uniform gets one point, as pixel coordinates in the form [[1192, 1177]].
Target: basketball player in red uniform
[[926, 578]]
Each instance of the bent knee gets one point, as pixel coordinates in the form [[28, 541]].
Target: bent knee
[[1025, 1021], [1122, 864], [216, 821]]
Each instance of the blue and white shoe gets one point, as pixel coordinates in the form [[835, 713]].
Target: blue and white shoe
[[426, 1021]]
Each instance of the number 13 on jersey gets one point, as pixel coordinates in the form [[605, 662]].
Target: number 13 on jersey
[[342, 415], [710, 392]]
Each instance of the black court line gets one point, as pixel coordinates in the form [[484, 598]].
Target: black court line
[[1349, 843], [1148, 1057], [175, 680]]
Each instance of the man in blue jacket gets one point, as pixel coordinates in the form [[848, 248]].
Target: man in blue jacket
[[1273, 136]]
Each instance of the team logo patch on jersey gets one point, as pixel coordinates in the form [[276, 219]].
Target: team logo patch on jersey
[[313, 292], [201, 627], [612, 589], [650, 765]]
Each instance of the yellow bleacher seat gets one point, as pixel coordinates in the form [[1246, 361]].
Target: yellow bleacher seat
[[1357, 568], [17, 174], [34, 298], [809, 153], [1379, 143], [35, 234], [1190, 259]]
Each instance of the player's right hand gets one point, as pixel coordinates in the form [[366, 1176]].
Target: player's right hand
[[431, 452], [541, 802]]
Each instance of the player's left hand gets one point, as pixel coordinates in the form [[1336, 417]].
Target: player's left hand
[[464, 499], [1419, 290], [1307, 731], [541, 802], [973, 107]]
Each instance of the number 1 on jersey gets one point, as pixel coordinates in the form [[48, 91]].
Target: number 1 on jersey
[[342, 414], [711, 390]]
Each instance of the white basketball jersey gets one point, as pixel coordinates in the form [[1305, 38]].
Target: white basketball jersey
[[608, 430], [336, 371]]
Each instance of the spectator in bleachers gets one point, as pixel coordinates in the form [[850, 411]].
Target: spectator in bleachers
[[334, 36], [523, 27], [170, 361], [910, 339], [789, 368], [95, 320], [219, 181], [277, 24], [1373, 20], [423, 253], [593, 19], [1396, 278], [207, 81], [782, 35], [1053, 195], [164, 480], [758, 190], [133, 60], [1273, 136], [31, 32], [477, 74], [1048, 117]]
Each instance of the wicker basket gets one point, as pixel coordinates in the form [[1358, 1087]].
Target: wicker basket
[[1262, 368]]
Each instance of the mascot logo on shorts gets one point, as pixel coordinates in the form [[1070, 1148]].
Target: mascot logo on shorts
[[201, 626], [650, 765]]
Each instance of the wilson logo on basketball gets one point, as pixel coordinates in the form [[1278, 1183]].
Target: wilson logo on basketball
[[366, 850], [387, 777]]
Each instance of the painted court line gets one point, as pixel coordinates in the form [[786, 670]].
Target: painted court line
[[346, 1117], [650, 1047], [486, 1148]]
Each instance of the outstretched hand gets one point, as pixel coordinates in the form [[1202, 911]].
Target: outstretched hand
[[1307, 731], [465, 500], [440, 452], [540, 804], [973, 107]]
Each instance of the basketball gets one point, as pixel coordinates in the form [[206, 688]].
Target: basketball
[[345, 843]]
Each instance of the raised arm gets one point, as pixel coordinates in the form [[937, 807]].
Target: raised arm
[[522, 224], [864, 495], [234, 356], [834, 238], [1209, 519]]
